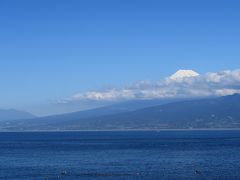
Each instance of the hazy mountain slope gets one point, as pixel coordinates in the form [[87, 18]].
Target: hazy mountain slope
[[223, 112], [57, 120], [11, 114]]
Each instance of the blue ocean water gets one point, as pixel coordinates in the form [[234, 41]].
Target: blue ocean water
[[120, 155]]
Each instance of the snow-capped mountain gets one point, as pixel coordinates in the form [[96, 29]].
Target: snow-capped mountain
[[180, 74]]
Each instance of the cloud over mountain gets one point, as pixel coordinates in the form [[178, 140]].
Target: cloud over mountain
[[184, 83]]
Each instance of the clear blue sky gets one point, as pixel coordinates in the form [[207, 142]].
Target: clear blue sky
[[51, 49]]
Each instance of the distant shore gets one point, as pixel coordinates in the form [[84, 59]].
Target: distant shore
[[128, 130]]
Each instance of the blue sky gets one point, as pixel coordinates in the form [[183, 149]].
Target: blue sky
[[52, 49]]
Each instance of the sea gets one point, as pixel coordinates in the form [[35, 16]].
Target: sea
[[120, 155]]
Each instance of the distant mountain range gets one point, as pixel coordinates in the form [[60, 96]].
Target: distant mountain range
[[12, 114], [221, 112], [44, 122]]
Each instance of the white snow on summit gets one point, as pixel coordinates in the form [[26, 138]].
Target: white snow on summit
[[180, 74]]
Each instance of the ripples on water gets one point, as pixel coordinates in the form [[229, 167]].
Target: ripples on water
[[120, 155]]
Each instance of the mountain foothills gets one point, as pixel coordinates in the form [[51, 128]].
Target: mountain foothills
[[220, 112]]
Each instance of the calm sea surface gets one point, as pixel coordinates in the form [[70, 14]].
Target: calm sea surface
[[120, 155]]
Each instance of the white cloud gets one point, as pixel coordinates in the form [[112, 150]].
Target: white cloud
[[210, 84], [107, 95], [224, 92]]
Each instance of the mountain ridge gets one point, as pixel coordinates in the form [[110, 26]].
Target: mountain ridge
[[220, 112]]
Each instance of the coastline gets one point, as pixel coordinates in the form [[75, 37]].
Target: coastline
[[126, 130]]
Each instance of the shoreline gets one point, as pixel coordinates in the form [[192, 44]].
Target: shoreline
[[126, 130]]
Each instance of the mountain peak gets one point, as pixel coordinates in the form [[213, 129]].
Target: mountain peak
[[183, 74]]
